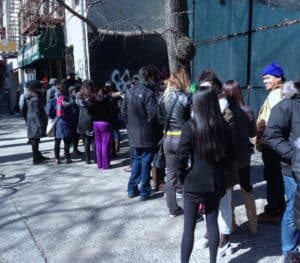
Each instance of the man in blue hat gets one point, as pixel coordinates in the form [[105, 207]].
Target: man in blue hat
[[273, 77]]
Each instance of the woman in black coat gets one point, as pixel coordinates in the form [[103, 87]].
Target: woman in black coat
[[85, 121], [206, 141], [36, 118]]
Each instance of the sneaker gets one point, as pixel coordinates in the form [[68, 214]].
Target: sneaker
[[57, 161], [145, 198], [132, 195], [265, 218], [179, 212], [225, 250], [69, 160]]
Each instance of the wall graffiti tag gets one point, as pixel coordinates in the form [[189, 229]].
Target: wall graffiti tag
[[122, 80]]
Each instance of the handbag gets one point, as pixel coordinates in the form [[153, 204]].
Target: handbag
[[50, 127], [159, 160]]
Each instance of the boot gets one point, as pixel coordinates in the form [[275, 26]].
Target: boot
[[154, 183], [250, 210]]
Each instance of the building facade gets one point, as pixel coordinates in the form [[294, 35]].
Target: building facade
[[41, 53]]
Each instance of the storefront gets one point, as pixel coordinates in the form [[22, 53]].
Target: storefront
[[44, 56]]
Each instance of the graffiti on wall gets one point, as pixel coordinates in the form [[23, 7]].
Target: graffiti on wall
[[122, 80]]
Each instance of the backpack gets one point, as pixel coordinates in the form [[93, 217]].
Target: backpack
[[51, 108]]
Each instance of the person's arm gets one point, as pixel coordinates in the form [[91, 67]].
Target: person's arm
[[124, 108], [183, 152], [151, 106], [278, 131]]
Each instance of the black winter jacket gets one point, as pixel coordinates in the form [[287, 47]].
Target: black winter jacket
[[244, 128], [36, 116], [283, 135], [181, 111], [202, 176], [139, 111]]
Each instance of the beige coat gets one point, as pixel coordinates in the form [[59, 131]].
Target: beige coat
[[272, 99]]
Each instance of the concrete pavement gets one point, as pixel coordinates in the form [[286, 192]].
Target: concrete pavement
[[78, 213]]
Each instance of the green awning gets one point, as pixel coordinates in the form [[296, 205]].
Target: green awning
[[48, 45]]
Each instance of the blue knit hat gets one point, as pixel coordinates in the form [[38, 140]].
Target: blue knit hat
[[274, 69]]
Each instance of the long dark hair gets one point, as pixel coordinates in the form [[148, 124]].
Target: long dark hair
[[232, 91], [208, 125]]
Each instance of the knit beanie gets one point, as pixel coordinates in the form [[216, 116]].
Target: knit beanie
[[274, 69]]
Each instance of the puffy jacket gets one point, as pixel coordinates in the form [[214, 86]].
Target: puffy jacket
[[139, 111], [296, 170], [283, 135], [180, 113], [36, 116]]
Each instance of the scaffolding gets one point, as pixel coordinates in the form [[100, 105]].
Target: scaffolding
[[13, 9]]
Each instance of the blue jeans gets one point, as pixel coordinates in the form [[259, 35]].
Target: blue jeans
[[290, 236], [140, 173]]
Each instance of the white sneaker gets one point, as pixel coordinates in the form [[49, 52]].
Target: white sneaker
[[226, 250]]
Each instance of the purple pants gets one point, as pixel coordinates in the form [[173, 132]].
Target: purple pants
[[103, 142]]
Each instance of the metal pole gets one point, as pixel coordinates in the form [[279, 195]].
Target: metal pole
[[249, 51]]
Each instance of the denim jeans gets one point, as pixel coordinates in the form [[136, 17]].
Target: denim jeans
[[290, 236], [140, 173]]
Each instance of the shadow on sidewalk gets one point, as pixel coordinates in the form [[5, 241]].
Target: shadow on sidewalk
[[9, 184], [266, 243]]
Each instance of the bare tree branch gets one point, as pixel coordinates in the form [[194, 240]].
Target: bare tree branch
[[86, 20]]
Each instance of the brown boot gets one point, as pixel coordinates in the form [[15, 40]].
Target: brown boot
[[250, 211]]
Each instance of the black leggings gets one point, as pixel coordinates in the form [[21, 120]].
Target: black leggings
[[67, 143], [191, 204], [88, 141]]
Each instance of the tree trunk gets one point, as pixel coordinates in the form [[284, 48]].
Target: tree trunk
[[176, 28]]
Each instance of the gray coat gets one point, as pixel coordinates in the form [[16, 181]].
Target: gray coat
[[36, 116]]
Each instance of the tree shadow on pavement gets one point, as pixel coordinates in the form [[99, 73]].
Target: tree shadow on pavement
[[15, 157], [9, 185], [266, 243]]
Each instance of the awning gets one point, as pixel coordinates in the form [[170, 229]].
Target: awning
[[48, 45]]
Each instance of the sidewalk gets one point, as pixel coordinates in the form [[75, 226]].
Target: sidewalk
[[78, 213]]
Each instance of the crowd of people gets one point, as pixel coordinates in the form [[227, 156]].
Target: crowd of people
[[206, 134]]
